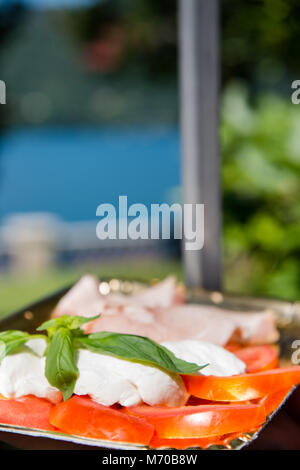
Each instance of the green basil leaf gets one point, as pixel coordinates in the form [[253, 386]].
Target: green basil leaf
[[136, 349], [11, 340], [61, 370], [72, 322]]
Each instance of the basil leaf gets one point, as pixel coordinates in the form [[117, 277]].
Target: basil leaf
[[72, 322], [11, 340], [138, 349], [61, 370]]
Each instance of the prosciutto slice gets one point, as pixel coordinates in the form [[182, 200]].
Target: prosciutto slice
[[164, 294], [83, 299], [159, 313]]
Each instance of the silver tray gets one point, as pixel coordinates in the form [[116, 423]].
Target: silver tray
[[29, 318]]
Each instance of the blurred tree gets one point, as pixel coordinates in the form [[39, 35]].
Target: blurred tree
[[147, 33], [260, 39], [261, 174], [256, 35]]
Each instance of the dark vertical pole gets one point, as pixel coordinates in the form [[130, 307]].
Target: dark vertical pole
[[199, 77]]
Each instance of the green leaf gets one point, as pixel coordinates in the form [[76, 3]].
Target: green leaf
[[11, 340], [61, 370], [72, 322], [137, 349]]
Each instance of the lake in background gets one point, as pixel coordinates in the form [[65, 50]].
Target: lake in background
[[70, 171]]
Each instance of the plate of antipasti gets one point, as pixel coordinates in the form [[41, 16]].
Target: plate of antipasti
[[120, 364]]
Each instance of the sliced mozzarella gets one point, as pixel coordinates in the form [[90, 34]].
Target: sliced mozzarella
[[23, 373], [110, 380], [38, 346], [220, 361]]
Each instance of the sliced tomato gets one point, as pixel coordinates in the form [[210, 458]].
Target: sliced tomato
[[232, 347], [242, 387], [83, 417], [272, 401], [29, 411], [194, 401], [258, 358], [194, 422]]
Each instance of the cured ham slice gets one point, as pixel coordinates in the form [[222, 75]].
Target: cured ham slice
[[192, 322], [164, 294], [158, 312], [122, 322], [83, 299], [175, 324], [219, 326]]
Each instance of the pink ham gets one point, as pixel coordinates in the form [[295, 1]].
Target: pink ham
[[164, 294], [82, 299], [85, 298], [220, 326], [136, 324], [192, 322], [158, 312]]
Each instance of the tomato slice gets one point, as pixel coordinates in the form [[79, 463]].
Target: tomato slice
[[258, 358], [28, 411], [190, 422], [272, 401], [242, 387], [232, 347], [84, 417]]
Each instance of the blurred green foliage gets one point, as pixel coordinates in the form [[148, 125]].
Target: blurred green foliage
[[261, 181]]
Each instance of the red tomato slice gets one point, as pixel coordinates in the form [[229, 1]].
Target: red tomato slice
[[242, 387], [232, 347], [190, 422], [83, 417], [271, 402], [258, 358], [29, 411]]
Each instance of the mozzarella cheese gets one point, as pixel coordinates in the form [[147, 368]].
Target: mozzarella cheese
[[220, 361], [23, 373], [109, 380]]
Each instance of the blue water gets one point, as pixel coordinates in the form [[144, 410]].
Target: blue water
[[70, 171]]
